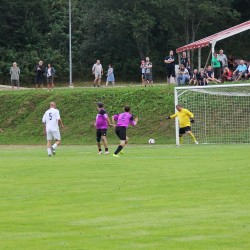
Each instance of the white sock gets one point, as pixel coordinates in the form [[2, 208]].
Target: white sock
[[49, 151], [54, 146]]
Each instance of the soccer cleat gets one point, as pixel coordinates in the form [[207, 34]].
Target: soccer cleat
[[196, 142], [121, 152], [53, 151], [116, 155], [100, 152], [106, 152]]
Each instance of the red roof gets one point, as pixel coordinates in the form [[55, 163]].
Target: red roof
[[216, 37]]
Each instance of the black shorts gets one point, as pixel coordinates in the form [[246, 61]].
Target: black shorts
[[143, 75], [148, 77], [170, 72], [100, 133], [50, 79], [121, 133], [15, 83], [183, 131], [39, 79]]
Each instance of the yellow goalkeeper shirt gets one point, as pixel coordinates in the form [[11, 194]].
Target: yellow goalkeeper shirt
[[184, 117]]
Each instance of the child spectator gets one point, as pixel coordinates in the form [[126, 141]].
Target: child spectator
[[142, 67], [210, 75], [110, 76], [194, 77], [227, 75], [202, 81]]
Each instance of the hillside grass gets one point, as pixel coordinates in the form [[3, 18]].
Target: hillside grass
[[22, 111], [153, 197]]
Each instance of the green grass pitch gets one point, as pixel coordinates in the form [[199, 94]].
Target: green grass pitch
[[154, 197]]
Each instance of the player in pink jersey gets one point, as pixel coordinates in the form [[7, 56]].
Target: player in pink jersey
[[122, 122], [102, 122]]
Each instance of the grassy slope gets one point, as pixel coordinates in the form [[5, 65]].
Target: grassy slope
[[22, 111], [155, 197]]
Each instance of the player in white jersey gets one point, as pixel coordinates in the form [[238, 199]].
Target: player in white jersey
[[51, 120]]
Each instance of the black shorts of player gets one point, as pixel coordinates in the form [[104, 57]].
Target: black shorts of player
[[183, 131], [148, 77], [170, 72], [100, 133], [121, 133]]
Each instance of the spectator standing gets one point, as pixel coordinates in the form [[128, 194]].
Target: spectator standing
[[216, 66], [183, 75], [240, 71], [142, 67], [227, 75], [14, 76], [50, 74], [210, 75], [97, 72], [170, 66], [39, 78], [148, 71], [222, 58], [185, 61], [110, 76]]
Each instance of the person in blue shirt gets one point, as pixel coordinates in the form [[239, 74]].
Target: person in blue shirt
[[240, 71]]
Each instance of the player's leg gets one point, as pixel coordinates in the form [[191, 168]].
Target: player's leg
[[49, 139], [98, 141], [121, 133], [104, 140], [57, 137], [189, 132]]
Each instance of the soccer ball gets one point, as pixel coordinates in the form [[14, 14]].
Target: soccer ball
[[151, 141]]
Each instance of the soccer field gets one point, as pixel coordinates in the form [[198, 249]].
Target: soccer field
[[152, 197]]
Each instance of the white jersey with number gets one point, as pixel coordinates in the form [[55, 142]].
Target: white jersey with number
[[51, 118]]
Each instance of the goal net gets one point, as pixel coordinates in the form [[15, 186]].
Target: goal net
[[222, 112]]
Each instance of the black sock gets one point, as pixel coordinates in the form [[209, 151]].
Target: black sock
[[106, 149], [119, 148], [100, 149]]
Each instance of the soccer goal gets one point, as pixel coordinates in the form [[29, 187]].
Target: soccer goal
[[222, 112]]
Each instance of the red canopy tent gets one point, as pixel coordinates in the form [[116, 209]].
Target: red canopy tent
[[214, 38]]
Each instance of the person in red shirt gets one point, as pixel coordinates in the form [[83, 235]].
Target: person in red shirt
[[227, 75]]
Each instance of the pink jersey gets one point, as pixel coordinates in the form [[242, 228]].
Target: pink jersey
[[124, 119], [101, 120]]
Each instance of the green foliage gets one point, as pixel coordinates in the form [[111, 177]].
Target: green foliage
[[22, 113], [118, 32]]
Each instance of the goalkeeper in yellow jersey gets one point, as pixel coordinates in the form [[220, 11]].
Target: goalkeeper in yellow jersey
[[185, 118]]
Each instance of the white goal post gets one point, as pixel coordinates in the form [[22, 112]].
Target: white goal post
[[222, 112]]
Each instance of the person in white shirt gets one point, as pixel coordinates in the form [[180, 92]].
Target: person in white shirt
[[51, 120], [97, 72]]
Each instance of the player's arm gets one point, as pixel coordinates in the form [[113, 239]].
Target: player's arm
[[114, 119], [60, 122], [108, 120], [191, 115], [171, 116], [133, 120]]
